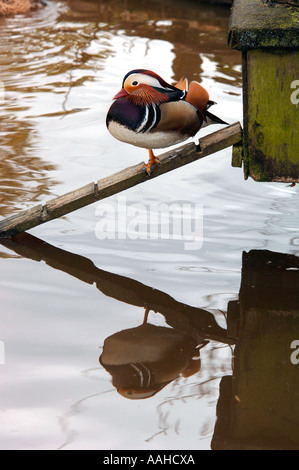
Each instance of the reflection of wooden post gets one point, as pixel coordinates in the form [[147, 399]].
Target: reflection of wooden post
[[268, 36], [258, 406]]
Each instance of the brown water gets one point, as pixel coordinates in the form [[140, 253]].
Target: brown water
[[64, 290]]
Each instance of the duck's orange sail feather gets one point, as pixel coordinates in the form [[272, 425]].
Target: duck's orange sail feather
[[182, 84], [198, 96]]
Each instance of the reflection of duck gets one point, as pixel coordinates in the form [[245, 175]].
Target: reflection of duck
[[145, 359], [150, 113]]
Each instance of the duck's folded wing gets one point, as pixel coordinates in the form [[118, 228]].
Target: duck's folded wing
[[179, 116]]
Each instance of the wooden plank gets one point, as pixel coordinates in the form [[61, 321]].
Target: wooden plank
[[118, 182]]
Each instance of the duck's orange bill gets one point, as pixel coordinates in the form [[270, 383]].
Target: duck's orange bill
[[120, 94]]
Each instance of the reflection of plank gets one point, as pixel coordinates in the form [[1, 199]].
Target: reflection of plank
[[196, 322], [118, 182]]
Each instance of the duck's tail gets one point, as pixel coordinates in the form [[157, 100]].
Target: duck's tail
[[212, 119]]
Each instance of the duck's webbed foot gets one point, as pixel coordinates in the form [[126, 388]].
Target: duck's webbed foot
[[151, 164]]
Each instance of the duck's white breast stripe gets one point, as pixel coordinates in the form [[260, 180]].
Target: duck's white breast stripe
[[144, 375], [154, 119], [144, 120], [149, 120]]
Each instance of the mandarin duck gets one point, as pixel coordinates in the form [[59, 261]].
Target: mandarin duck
[[150, 113]]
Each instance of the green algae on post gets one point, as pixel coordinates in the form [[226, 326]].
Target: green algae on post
[[268, 36]]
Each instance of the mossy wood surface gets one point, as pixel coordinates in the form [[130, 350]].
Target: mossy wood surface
[[257, 23], [267, 33], [271, 126]]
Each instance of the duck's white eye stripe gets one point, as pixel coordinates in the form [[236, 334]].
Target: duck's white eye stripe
[[143, 78]]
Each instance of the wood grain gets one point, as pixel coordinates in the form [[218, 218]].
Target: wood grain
[[118, 182]]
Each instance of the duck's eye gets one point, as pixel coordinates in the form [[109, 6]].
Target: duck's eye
[[134, 83]]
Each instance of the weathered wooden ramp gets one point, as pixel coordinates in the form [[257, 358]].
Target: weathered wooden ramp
[[118, 182]]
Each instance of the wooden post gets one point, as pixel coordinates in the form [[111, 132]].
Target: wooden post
[[267, 33], [118, 182], [288, 2]]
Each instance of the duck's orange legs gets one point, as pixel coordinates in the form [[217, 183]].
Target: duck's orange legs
[[146, 312], [153, 160]]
